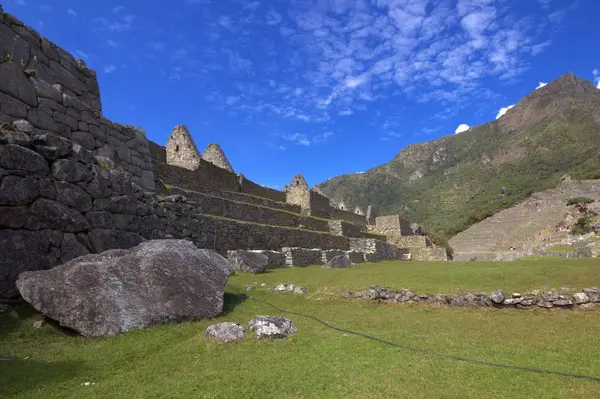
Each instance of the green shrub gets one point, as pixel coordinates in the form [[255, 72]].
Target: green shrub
[[579, 201], [582, 226]]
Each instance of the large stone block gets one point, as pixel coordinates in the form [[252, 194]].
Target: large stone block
[[156, 282], [70, 171], [14, 83], [73, 196], [22, 250], [14, 157], [104, 239], [58, 216], [16, 190]]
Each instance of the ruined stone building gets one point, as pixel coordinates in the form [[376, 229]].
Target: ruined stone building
[[72, 182]]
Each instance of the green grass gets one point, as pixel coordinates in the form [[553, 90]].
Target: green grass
[[175, 361]]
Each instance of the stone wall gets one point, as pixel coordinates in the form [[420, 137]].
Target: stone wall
[[429, 254], [410, 241], [26, 49], [379, 250], [346, 229], [276, 259], [327, 255], [355, 256], [392, 225], [335, 213], [207, 176], [301, 256], [50, 94], [215, 155], [216, 206]]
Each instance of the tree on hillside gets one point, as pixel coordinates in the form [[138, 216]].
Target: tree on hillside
[[584, 223]]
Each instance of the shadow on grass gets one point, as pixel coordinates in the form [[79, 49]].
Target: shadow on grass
[[19, 376], [231, 301]]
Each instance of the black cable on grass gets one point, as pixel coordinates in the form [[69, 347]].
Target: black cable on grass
[[425, 351]]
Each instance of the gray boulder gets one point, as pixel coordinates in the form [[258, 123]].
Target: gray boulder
[[225, 333], [580, 298], [272, 327], [497, 297], [248, 261], [107, 294], [338, 262]]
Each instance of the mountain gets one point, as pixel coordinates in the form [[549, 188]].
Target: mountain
[[450, 183]]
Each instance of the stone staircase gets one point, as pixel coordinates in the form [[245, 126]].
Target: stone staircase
[[521, 226]]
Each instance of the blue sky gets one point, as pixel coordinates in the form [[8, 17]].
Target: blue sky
[[319, 87]]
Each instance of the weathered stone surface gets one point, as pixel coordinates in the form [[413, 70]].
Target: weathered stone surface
[[248, 261], [272, 327], [105, 239], [225, 333], [497, 296], [22, 250], [562, 302], [580, 298], [85, 139], [23, 126], [42, 120], [107, 294], [45, 89], [12, 217], [58, 216], [14, 83], [15, 157], [70, 171], [339, 262], [16, 190], [14, 137], [52, 146], [71, 248], [73, 196]]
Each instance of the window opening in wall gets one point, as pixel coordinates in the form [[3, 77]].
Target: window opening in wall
[[177, 148]]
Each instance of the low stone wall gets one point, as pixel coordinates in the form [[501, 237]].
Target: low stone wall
[[295, 256], [276, 258], [355, 256], [207, 176], [537, 299], [392, 225], [410, 241], [327, 255], [378, 250], [335, 213], [429, 254], [249, 187], [346, 229], [253, 213], [230, 195]]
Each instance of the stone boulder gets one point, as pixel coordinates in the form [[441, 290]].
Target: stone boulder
[[225, 333], [248, 261], [272, 327], [497, 297], [338, 262], [107, 294]]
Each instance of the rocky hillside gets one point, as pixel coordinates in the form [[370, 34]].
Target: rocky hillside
[[448, 184]]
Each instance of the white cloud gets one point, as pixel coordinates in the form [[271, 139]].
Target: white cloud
[[118, 9], [596, 74], [462, 128], [112, 43], [281, 148], [273, 17], [540, 85], [71, 12], [321, 138], [298, 138], [346, 112], [21, 2], [110, 69], [503, 111]]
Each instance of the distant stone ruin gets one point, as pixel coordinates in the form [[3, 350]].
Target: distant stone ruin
[[73, 182], [214, 154], [181, 149]]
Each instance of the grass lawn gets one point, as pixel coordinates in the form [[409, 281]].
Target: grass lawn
[[175, 361]]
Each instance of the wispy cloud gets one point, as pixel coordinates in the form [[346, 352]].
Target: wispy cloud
[[110, 69], [596, 74], [71, 12]]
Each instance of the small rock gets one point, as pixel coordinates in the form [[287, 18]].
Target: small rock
[[549, 296], [225, 333], [512, 301], [580, 298], [347, 294], [290, 288], [593, 290], [272, 327], [263, 285], [248, 287], [516, 295], [563, 302], [544, 304], [300, 290], [497, 296], [338, 262], [38, 323], [280, 288]]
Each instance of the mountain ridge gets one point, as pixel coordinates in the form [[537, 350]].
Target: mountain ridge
[[450, 183]]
